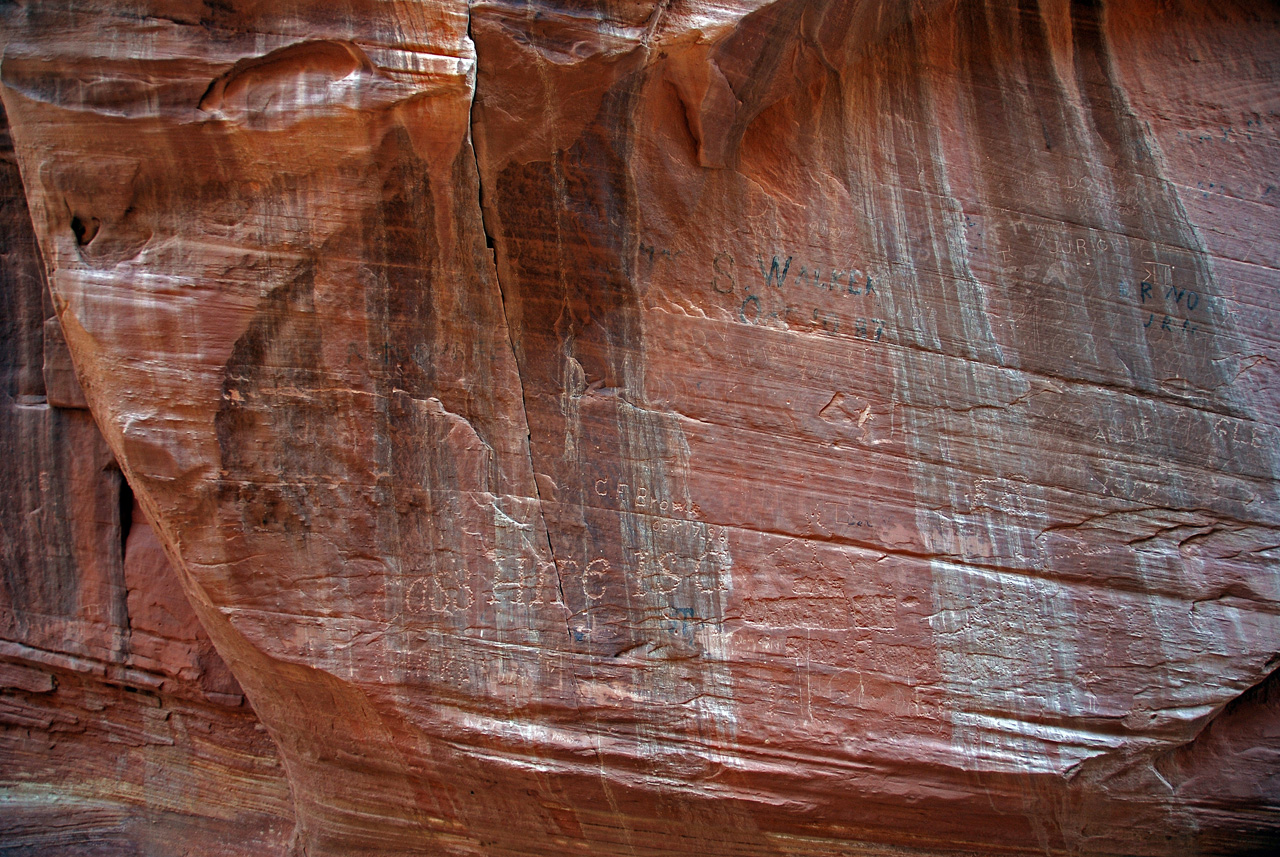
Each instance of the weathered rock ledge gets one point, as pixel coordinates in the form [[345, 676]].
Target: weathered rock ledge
[[791, 428]]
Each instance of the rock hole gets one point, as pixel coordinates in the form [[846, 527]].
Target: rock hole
[[85, 229], [126, 516]]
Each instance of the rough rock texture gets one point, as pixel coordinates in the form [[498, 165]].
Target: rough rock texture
[[121, 730], [737, 429]]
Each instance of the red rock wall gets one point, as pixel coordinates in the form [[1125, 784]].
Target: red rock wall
[[121, 729], [805, 428]]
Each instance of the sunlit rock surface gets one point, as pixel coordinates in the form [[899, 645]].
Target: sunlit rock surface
[[740, 429], [121, 730]]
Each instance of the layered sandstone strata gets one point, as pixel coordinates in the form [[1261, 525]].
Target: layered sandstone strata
[[738, 429], [121, 730]]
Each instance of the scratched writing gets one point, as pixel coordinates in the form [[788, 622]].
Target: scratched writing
[[778, 289], [666, 571], [521, 580], [1090, 194], [1168, 307], [788, 272], [768, 300], [650, 572], [594, 577], [839, 517], [868, 328], [652, 254], [642, 499], [426, 595], [1068, 245], [851, 281]]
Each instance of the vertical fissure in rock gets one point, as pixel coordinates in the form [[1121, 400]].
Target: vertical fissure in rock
[[126, 517], [120, 600], [502, 302]]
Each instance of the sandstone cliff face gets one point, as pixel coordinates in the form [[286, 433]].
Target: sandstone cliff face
[[788, 428], [121, 730]]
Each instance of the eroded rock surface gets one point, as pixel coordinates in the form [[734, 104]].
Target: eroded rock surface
[[787, 428], [121, 729]]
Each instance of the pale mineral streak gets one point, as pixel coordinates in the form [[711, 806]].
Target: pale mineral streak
[[793, 428]]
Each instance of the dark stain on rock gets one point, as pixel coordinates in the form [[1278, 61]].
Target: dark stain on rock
[[268, 424]]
